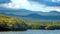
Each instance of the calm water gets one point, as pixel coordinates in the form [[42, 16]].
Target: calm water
[[34, 32]]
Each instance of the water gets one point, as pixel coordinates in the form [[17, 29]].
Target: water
[[33, 32]]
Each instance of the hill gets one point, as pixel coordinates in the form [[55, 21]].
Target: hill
[[11, 23]]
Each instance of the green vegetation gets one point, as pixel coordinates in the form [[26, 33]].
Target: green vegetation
[[11, 24], [16, 24], [44, 25]]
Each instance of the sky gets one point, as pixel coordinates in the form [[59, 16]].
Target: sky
[[32, 5]]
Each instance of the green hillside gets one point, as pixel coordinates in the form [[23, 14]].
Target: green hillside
[[11, 23], [16, 24]]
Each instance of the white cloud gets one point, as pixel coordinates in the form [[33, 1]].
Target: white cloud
[[33, 6], [55, 0]]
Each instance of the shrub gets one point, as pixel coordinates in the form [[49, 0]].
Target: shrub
[[11, 23]]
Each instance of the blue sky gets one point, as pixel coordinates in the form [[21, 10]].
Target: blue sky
[[33, 5], [48, 2], [4, 1]]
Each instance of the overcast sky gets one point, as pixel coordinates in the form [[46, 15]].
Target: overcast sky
[[33, 5]]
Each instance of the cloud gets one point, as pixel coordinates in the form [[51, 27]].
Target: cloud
[[48, 2], [26, 4]]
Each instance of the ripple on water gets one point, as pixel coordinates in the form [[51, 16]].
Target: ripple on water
[[33, 32]]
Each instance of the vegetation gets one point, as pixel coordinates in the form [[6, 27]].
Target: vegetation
[[16, 24], [11, 24], [44, 26]]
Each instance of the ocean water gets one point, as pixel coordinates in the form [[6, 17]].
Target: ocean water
[[33, 32]]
